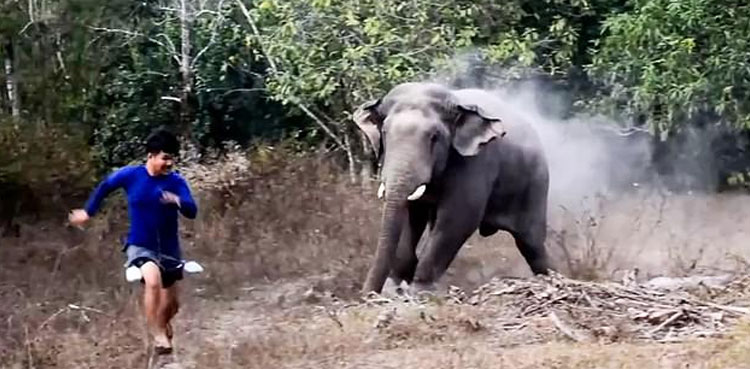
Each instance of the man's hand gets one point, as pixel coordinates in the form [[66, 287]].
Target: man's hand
[[78, 217], [170, 198]]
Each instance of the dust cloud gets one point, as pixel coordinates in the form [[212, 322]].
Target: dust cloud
[[620, 199], [587, 155]]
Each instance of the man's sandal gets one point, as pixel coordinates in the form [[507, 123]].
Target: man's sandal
[[162, 350]]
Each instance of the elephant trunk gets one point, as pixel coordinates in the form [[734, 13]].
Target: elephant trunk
[[397, 189]]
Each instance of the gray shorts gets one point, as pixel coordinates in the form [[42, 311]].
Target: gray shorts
[[170, 268]]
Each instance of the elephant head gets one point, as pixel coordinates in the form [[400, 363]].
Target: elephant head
[[413, 130]]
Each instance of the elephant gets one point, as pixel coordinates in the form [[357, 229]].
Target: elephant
[[452, 161]]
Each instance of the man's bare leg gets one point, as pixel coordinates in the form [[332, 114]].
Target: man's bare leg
[[151, 303], [168, 307]]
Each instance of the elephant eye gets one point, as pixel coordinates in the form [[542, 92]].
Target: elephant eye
[[434, 136]]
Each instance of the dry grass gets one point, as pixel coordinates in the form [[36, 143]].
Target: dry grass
[[297, 225], [398, 335], [286, 220], [655, 233]]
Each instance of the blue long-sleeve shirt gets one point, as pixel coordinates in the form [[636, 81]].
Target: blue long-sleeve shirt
[[153, 224]]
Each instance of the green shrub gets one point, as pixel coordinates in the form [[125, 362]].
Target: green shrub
[[43, 167]]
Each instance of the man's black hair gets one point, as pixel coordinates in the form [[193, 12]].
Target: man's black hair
[[162, 140]]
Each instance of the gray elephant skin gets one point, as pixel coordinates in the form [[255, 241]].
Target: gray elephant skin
[[453, 161]]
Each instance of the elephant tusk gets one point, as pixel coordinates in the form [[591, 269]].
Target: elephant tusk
[[381, 191], [417, 193]]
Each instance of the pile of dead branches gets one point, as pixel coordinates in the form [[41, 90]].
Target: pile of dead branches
[[584, 310]]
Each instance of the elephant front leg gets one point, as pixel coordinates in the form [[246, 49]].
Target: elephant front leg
[[443, 242], [406, 256]]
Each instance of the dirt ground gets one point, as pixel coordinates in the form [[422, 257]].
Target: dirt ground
[[280, 288], [296, 324]]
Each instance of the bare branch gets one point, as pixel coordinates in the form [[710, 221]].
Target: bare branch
[[25, 27], [217, 21], [160, 74], [250, 21], [212, 12], [171, 98], [243, 90], [175, 54], [115, 30], [320, 124], [62, 64], [171, 50], [324, 115]]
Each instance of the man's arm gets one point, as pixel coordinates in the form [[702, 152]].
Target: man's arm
[[78, 217], [105, 187], [186, 204]]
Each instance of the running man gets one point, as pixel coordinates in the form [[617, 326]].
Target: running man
[[155, 195]]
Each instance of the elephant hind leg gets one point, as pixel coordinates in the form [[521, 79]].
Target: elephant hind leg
[[533, 252], [529, 238], [530, 243], [533, 226]]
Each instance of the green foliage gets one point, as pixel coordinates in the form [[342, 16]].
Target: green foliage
[[132, 104], [739, 179], [333, 55], [231, 98], [294, 69], [142, 90], [336, 54], [677, 63], [42, 163]]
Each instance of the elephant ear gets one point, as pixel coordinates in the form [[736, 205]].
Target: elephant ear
[[369, 121], [474, 128]]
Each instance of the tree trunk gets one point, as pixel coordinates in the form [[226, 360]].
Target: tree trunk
[[369, 168], [11, 83], [187, 78], [350, 158], [365, 175]]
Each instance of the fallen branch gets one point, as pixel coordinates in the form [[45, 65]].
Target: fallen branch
[[667, 322], [83, 308], [563, 328], [334, 316], [645, 312], [28, 345], [51, 318], [729, 309]]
